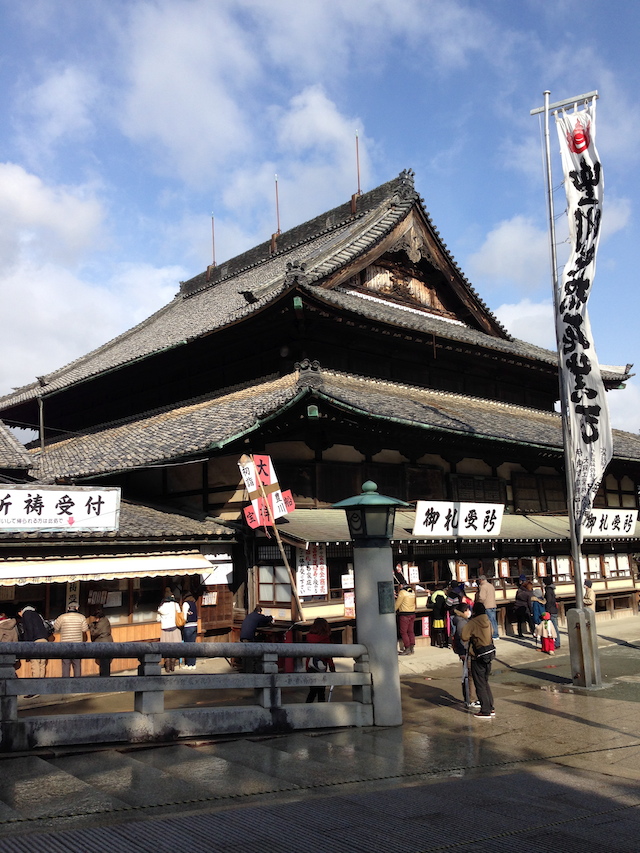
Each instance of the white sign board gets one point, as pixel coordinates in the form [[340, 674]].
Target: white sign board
[[77, 508], [312, 577], [609, 523], [437, 519]]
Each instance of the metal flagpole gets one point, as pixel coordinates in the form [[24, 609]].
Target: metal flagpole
[[583, 645]]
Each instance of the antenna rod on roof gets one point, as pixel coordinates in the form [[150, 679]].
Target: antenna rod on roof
[[277, 208], [213, 240], [358, 163]]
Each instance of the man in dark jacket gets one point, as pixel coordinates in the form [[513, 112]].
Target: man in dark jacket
[[251, 623], [34, 631]]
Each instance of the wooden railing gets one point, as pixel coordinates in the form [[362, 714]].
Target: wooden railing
[[236, 702]]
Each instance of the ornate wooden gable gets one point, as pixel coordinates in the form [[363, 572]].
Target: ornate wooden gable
[[412, 267]]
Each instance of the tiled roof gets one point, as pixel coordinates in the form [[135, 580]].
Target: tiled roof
[[199, 426], [13, 455], [138, 522], [246, 284]]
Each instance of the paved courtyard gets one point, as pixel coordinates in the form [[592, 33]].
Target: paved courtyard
[[558, 770]]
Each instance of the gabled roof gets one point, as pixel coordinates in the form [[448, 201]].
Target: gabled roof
[[13, 455], [305, 256], [212, 423]]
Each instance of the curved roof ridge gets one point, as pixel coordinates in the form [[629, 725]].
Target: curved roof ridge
[[247, 387], [300, 234], [402, 388]]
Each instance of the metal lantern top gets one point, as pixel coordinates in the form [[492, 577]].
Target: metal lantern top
[[370, 516]]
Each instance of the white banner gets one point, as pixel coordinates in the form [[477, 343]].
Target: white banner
[[453, 518], [312, 576], [589, 431], [609, 523], [77, 508]]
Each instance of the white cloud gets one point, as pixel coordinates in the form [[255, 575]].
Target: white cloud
[[51, 313], [67, 316], [47, 222], [616, 215], [188, 65], [315, 147], [624, 407], [529, 321], [57, 108], [516, 253]]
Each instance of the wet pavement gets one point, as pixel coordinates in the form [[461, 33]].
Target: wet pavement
[[558, 769]]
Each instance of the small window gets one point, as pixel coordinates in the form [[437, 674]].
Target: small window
[[274, 585]]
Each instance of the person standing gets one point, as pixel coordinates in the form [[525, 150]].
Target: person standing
[[100, 627], [486, 594], [34, 631], [552, 606], [190, 627], [438, 602], [547, 633], [460, 617], [100, 630], [477, 632], [319, 633], [73, 628], [406, 610], [523, 607], [169, 631], [588, 598]]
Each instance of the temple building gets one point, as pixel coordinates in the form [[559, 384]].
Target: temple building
[[350, 348]]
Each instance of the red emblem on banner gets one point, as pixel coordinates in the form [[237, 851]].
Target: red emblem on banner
[[579, 139]]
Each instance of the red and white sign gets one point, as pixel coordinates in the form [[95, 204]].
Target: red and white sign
[[260, 479]]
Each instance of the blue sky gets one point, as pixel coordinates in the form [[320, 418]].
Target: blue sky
[[124, 125]]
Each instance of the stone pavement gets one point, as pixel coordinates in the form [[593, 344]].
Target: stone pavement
[[558, 770]]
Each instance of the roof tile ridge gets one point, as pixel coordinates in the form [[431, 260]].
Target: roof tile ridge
[[40, 386], [490, 342], [13, 444], [391, 192], [394, 212], [277, 254], [401, 387], [395, 187], [201, 400]]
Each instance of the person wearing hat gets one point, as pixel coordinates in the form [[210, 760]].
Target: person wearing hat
[[552, 606], [73, 628], [547, 633], [588, 598]]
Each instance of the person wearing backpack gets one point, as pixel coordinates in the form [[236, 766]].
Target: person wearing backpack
[[478, 633], [34, 630], [459, 619]]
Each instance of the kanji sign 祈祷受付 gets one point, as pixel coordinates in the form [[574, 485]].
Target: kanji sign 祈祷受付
[[54, 508]]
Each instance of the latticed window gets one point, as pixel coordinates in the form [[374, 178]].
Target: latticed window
[[474, 489], [538, 493]]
